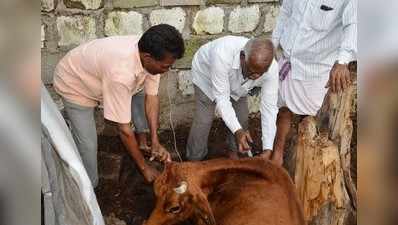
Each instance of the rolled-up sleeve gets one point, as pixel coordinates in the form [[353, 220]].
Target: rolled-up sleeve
[[219, 74], [348, 48], [268, 107], [117, 102]]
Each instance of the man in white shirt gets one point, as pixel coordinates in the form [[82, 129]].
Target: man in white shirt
[[224, 71], [318, 39]]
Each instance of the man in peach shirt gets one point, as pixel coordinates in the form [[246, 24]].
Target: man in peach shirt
[[110, 71]]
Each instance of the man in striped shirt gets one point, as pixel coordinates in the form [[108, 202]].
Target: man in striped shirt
[[317, 39]]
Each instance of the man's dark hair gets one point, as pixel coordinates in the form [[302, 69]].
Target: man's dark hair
[[161, 39]]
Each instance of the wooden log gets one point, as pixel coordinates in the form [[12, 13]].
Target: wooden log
[[321, 163]]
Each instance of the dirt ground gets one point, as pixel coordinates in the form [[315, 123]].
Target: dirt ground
[[129, 200]]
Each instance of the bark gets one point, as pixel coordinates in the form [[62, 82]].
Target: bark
[[319, 161]]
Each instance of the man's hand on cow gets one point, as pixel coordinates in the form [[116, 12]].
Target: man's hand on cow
[[243, 139], [159, 152], [150, 173], [339, 78]]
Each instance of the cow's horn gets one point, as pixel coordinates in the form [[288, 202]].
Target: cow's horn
[[182, 188]]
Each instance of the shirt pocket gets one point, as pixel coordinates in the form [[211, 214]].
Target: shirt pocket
[[325, 14]]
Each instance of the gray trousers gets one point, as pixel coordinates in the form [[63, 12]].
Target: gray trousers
[[138, 113], [84, 131], [202, 121]]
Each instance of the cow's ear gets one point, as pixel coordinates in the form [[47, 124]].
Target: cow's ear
[[203, 210]]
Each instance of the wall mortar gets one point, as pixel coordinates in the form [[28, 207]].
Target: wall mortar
[[58, 41]]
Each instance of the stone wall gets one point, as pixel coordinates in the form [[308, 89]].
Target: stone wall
[[67, 23]]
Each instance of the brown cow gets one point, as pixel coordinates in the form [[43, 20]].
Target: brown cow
[[248, 191]]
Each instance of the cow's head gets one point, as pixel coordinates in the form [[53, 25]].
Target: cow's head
[[179, 197]]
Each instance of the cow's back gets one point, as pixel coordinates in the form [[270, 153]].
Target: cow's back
[[243, 199]]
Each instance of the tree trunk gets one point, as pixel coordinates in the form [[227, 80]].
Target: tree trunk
[[321, 161]]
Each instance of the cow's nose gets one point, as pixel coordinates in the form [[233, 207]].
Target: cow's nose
[[174, 209]]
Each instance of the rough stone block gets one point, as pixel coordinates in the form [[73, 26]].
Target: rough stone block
[[210, 20], [83, 4], [43, 36], [47, 5], [179, 2], [223, 1], [123, 23], [185, 84], [174, 17], [181, 107], [48, 63], [191, 46], [134, 3], [109, 165], [270, 19], [75, 30], [244, 19], [168, 88]]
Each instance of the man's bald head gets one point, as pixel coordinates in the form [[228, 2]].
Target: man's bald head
[[259, 54]]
